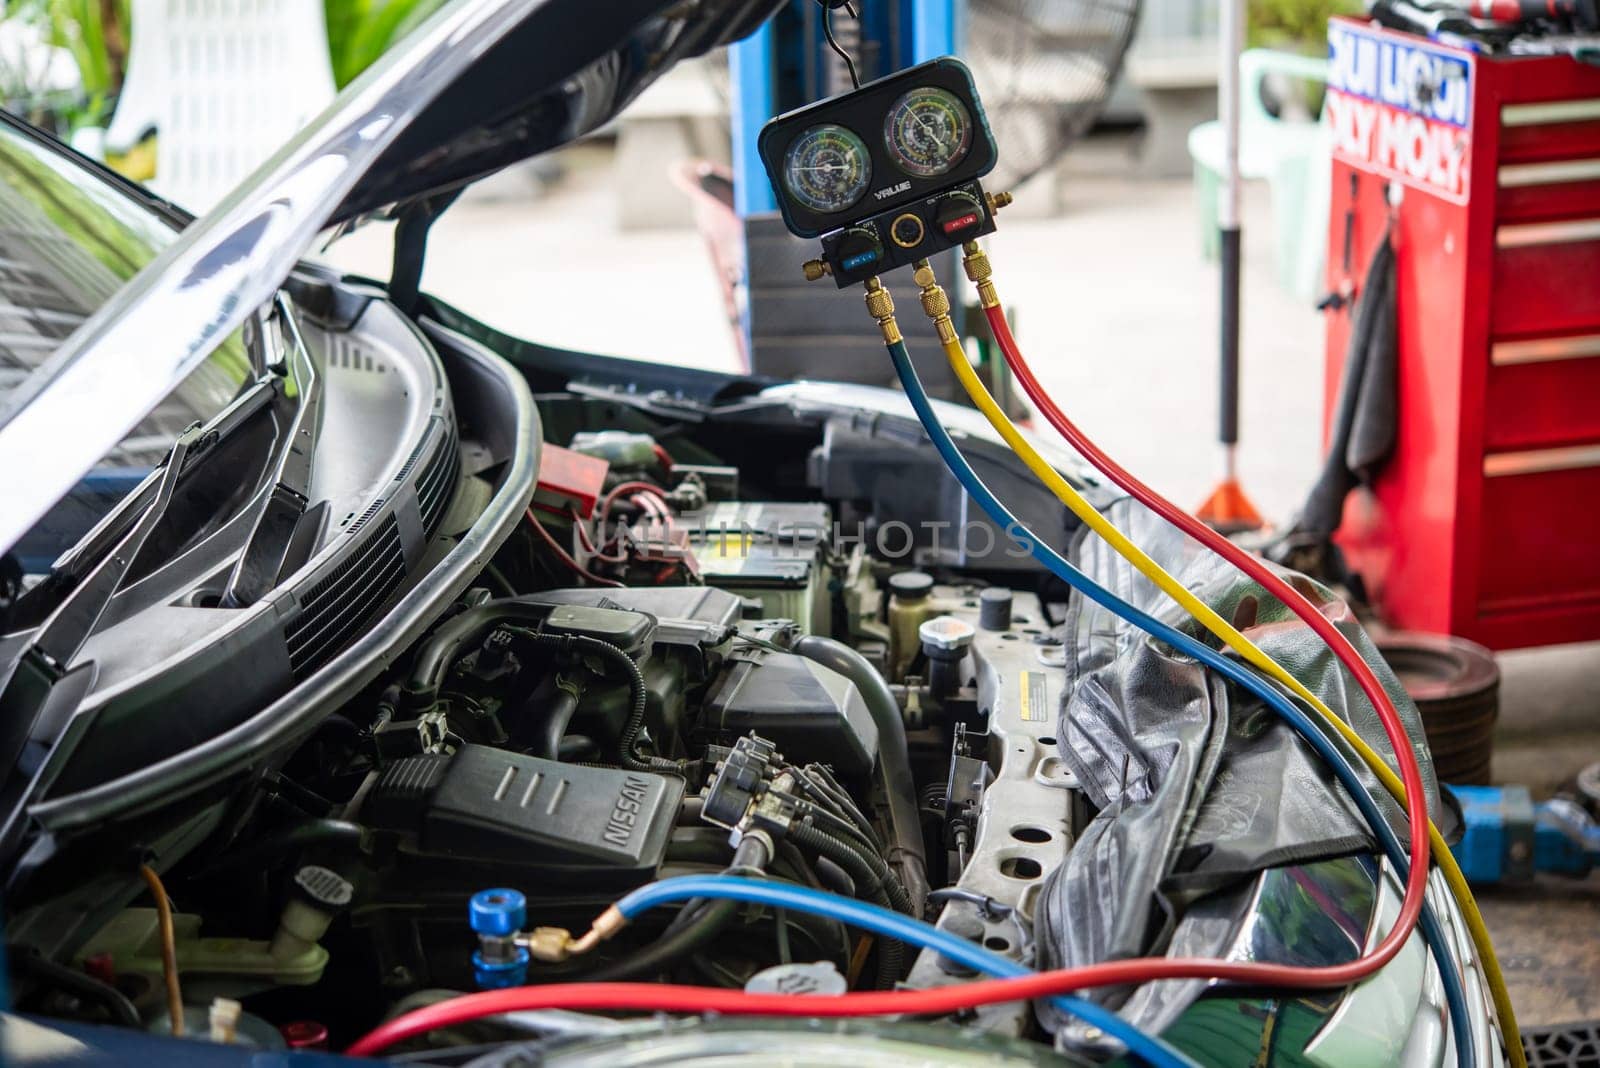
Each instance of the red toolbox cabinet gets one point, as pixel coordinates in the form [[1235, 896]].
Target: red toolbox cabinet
[[1486, 520]]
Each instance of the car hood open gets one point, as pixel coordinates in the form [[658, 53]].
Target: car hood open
[[483, 84]]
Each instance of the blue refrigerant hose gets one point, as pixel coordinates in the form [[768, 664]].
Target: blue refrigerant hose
[[889, 924], [1314, 735]]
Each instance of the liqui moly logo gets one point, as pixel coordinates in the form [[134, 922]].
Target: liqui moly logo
[[1400, 108]]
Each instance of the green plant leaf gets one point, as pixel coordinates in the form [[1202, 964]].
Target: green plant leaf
[[368, 28]]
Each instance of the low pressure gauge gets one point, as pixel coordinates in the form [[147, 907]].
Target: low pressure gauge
[[928, 131], [827, 168]]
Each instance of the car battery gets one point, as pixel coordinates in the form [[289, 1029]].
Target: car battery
[[771, 552], [1485, 169]]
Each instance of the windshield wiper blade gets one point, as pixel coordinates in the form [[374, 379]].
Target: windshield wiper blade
[[266, 554], [61, 636], [50, 652]]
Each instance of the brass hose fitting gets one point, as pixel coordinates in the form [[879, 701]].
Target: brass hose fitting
[[548, 944], [880, 305], [935, 302], [997, 201], [815, 269], [554, 944], [976, 263]]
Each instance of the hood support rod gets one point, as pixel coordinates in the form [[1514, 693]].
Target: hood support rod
[[411, 248]]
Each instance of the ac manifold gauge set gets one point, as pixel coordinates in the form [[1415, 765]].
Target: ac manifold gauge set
[[887, 174]]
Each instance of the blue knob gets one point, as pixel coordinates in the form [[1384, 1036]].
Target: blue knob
[[499, 974], [500, 912]]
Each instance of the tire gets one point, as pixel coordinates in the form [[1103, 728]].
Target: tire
[[1456, 686]]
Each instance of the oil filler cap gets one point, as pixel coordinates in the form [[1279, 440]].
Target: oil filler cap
[[820, 978]]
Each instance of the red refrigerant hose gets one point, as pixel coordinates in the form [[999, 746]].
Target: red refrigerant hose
[[1300, 605], [661, 997], [1296, 601], [1393, 727]]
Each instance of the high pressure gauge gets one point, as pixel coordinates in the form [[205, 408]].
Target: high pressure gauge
[[928, 131], [827, 168]]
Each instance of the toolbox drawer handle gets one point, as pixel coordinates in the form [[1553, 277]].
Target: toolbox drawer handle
[[1544, 350], [1522, 235], [1520, 175], [1538, 461], [1549, 113]]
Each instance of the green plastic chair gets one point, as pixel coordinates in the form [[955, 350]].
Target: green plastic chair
[[1291, 155]]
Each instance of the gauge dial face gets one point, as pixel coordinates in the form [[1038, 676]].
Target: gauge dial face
[[827, 168], [928, 131]]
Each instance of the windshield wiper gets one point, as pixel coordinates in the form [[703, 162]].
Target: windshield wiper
[[48, 654], [266, 554]]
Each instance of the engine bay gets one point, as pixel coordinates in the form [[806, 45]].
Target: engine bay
[[723, 685], [633, 690]]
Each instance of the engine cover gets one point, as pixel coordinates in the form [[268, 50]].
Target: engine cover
[[482, 803]]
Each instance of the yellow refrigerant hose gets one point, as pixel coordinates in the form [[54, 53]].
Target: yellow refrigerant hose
[[936, 304]]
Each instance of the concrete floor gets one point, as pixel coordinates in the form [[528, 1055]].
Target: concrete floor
[[1118, 312], [1548, 935]]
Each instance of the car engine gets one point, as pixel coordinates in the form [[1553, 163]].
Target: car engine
[[724, 685]]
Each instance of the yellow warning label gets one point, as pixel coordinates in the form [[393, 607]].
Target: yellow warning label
[[726, 545], [1035, 701], [725, 554]]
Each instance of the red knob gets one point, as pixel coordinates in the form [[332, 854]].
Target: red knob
[[304, 1034]]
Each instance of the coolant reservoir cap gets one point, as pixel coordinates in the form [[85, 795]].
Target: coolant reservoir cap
[[946, 634]]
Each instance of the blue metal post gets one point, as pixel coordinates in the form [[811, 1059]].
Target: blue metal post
[[751, 69], [773, 69], [933, 28]]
